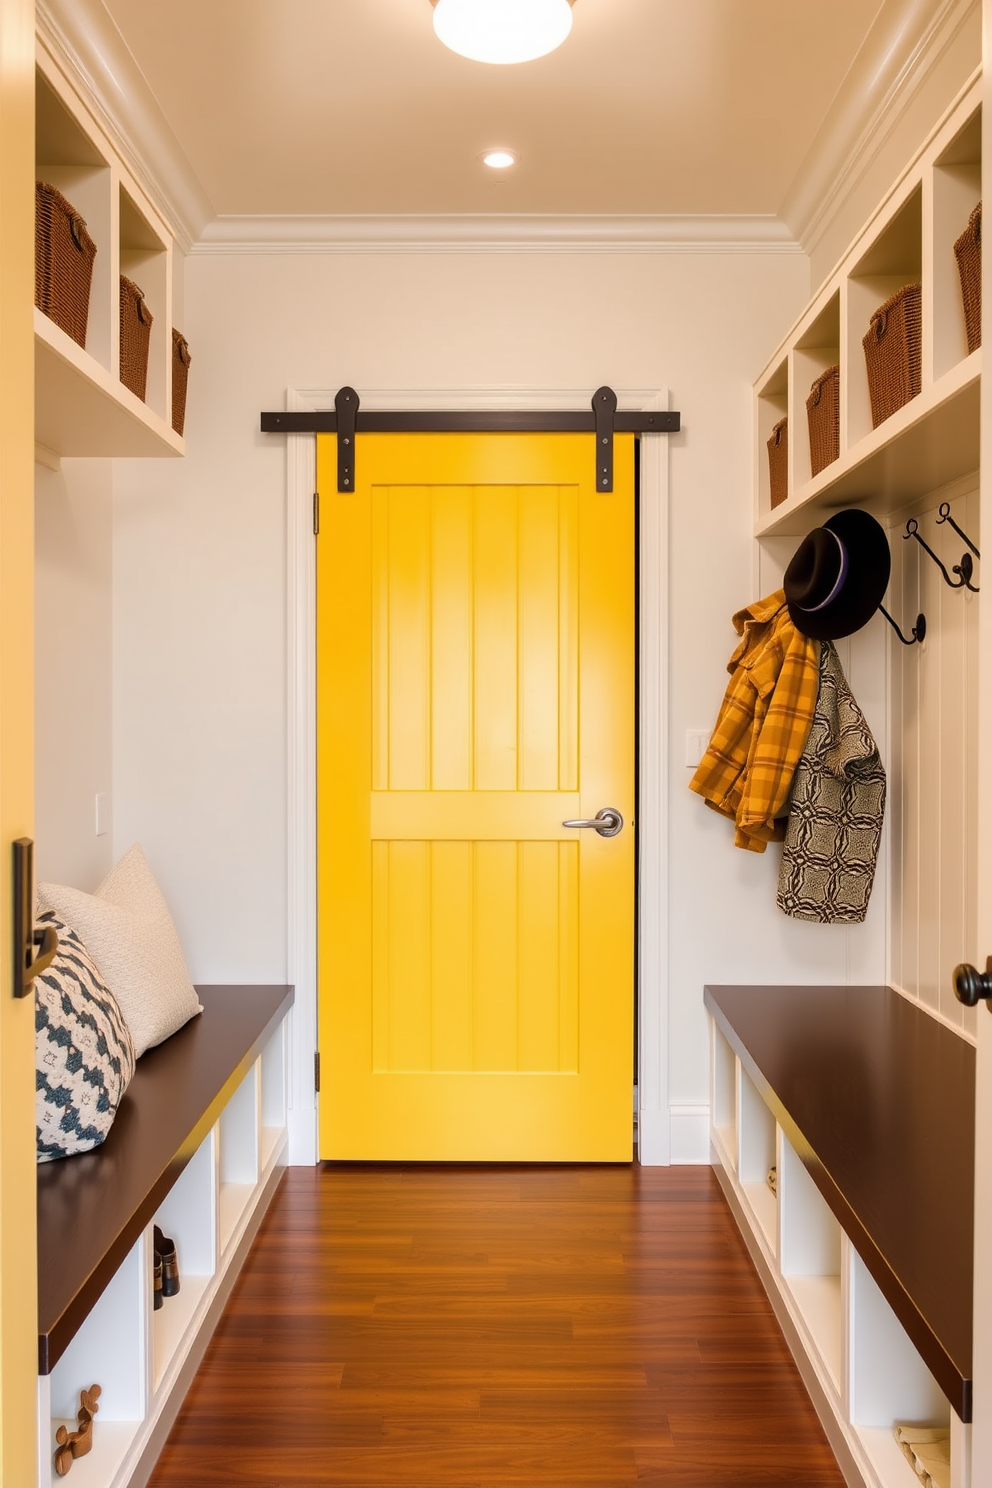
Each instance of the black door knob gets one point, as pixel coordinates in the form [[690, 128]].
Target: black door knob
[[971, 985]]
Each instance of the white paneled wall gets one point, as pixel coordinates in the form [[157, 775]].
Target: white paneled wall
[[933, 780]]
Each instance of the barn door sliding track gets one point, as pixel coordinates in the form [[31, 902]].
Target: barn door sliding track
[[346, 420]]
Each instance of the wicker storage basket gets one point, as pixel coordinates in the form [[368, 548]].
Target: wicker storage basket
[[180, 377], [778, 462], [892, 353], [823, 416], [136, 330], [968, 252], [63, 262]]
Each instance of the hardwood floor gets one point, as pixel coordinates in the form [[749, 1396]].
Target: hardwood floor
[[461, 1327]]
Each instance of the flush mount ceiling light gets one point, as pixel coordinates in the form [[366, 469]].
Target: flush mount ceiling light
[[499, 160], [502, 30]]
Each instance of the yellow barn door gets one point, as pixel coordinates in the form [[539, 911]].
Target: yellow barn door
[[475, 663]]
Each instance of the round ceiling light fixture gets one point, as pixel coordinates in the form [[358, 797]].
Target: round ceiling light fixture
[[499, 160], [502, 31]]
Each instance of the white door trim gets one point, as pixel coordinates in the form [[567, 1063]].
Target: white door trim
[[301, 846]]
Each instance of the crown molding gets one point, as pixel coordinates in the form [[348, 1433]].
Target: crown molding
[[95, 57], [495, 233], [905, 42]]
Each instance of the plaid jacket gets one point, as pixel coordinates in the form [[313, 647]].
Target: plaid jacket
[[746, 773]]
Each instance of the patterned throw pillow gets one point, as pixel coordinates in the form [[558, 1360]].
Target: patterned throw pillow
[[84, 1056]]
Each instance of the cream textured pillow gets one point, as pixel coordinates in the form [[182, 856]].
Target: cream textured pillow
[[127, 929]]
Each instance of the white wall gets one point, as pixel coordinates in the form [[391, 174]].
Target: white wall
[[199, 566], [73, 514]]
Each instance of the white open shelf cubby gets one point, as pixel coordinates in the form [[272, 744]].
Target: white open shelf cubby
[[81, 406], [934, 438], [864, 1374], [143, 1358]]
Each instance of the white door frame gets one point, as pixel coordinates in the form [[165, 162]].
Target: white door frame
[[654, 1120]]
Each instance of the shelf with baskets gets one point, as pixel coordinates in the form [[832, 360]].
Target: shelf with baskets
[[96, 221], [879, 379]]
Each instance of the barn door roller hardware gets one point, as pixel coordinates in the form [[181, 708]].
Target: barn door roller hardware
[[347, 420]]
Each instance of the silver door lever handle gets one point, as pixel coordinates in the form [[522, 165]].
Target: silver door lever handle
[[607, 822]]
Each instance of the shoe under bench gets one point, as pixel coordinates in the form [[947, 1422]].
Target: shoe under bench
[[863, 1104], [198, 1146]]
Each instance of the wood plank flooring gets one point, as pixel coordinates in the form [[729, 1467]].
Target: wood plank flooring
[[465, 1327]]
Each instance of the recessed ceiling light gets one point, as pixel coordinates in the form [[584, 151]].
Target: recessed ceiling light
[[502, 30], [499, 159]]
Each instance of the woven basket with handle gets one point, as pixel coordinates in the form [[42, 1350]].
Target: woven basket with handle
[[823, 416], [892, 353], [968, 252], [136, 330], [180, 377], [63, 262], [778, 462]]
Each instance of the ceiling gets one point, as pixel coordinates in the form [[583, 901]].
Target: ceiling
[[297, 107]]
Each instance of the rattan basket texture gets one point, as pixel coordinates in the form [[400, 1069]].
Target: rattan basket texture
[[180, 378], [778, 462], [892, 353], [823, 416], [968, 252], [63, 262], [136, 330]]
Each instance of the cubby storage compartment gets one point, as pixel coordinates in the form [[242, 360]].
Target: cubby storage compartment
[[810, 1259], [81, 407], [893, 260], [239, 1129], [109, 1351], [273, 1107], [957, 190], [188, 1216], [773, 406], [144, 260], [756, 1157], [816, 350], [889, 1382], [724, 1086]]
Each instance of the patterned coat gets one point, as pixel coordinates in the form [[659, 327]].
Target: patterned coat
[[836, 810]]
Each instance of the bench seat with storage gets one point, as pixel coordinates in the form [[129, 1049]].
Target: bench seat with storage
[[197, 1147], [863, 1103]]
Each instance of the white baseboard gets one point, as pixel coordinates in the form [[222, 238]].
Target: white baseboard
[[653, 1139], [302, 1149], [690, 1132]]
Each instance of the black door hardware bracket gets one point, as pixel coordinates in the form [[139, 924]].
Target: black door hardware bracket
[[26, 964], [346, 406], [604, 407]]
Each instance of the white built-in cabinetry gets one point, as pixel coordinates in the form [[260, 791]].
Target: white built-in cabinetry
[[861, 1368], [933, 439], [144, 1359], [81, 406]]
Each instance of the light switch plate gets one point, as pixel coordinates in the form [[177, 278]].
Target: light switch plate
[[696, 741], [102, 813]]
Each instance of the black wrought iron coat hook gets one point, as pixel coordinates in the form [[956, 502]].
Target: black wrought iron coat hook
[[918, 633], [964, 569]]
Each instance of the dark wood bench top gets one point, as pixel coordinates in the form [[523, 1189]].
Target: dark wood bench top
[[878, 1100], [92, 1208]]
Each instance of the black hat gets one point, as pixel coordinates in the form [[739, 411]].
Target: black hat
[[838, 576]]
